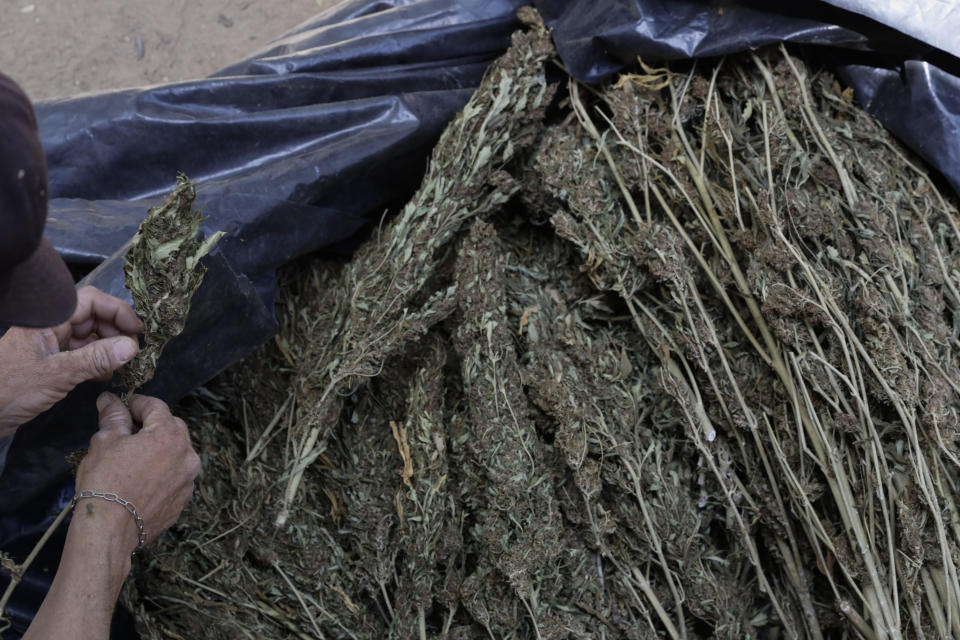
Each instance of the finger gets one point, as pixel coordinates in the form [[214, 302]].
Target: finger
[[74, 344], [107, 330], [82, 329], [150, 412], [95, 308], [94, 326], [79, 343], [96, 360], [104, 310], [114, 417], [194, 466], [181, 429]]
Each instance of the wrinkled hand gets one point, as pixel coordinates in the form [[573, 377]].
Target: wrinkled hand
[[39, 367], [154, 468]]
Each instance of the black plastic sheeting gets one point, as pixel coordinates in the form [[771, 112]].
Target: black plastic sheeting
[[301, 146]]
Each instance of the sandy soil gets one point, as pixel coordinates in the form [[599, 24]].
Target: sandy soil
[[58, 48]]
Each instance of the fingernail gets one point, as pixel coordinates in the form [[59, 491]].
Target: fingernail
[[103, 400], [124, 349]]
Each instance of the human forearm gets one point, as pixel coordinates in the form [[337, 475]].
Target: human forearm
[[95, 562]]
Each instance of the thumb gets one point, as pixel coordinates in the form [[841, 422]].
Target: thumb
[[99, 359], [114, 416]]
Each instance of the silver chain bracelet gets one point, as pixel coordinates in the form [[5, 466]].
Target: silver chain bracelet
[[126, 504]]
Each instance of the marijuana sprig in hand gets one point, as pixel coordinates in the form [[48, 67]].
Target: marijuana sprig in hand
[[162, 272]]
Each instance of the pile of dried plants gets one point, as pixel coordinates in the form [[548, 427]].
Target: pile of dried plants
[[674, 358]]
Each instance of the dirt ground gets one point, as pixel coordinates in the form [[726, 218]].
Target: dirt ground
[[59, 48]]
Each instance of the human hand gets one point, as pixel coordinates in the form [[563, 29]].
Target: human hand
[[154, 468], [39, 367]]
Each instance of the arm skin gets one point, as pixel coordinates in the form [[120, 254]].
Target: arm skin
[[153, 468], [96, 560]]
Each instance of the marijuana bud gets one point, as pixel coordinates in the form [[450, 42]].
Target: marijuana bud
[[163, 270]]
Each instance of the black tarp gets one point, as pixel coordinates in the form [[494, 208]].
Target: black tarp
[[300, 146]]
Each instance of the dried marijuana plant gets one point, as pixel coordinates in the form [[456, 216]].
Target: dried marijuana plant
[[429, 514], [162, 272], [380, 288], [758, 217], [698, 378]]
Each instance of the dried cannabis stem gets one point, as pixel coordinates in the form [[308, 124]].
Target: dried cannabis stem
[[162, 272], [519, 522], [428, 533], [465, 178]]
